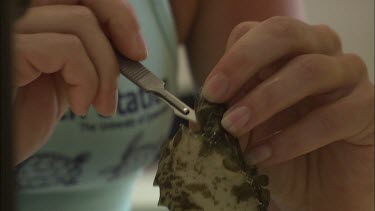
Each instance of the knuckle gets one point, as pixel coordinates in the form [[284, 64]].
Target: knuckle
[[241, 29], [72, 42], [40, 58], [359, 66], [333, 37], [309, 67], [369, 99], [82, 14], [260, 102], [267, 98], [283, 27], [290, 32], [366, 95], [237, 32], [19, 47], [327, 120], [76, 55], [255, 110], [93, 80]]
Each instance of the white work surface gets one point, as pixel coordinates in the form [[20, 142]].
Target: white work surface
[[145, 196]]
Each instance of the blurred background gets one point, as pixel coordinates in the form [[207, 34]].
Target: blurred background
[[354, 22]]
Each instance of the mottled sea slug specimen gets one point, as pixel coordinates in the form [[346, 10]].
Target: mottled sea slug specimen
[[205, 170]]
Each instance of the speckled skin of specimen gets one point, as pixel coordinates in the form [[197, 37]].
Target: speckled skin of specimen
[[205, 170]]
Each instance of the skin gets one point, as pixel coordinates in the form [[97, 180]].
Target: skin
[[301, 107], [310, 105], [311, 128], [80, 71]]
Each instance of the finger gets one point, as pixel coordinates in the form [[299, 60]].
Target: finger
[[244, 141], [119, 18], [238, 31], [304, 76], [335, 122], [80, 21], [34, 57], [254, 81], [36, 116], [272, 40]]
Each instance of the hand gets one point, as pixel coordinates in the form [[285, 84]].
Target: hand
[[303, 111], [64, 58]]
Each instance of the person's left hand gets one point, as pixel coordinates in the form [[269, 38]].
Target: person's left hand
[[302, 109], [65, 56]]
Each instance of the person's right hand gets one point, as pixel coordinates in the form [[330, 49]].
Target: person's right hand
[[63, 57]]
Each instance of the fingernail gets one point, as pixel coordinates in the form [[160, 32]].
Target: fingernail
[[244, 141], [141, 45], [216, 88], [259, 154], [236, 120], [114, 97]]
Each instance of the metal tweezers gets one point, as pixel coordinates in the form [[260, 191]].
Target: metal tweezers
[[146, 80]]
